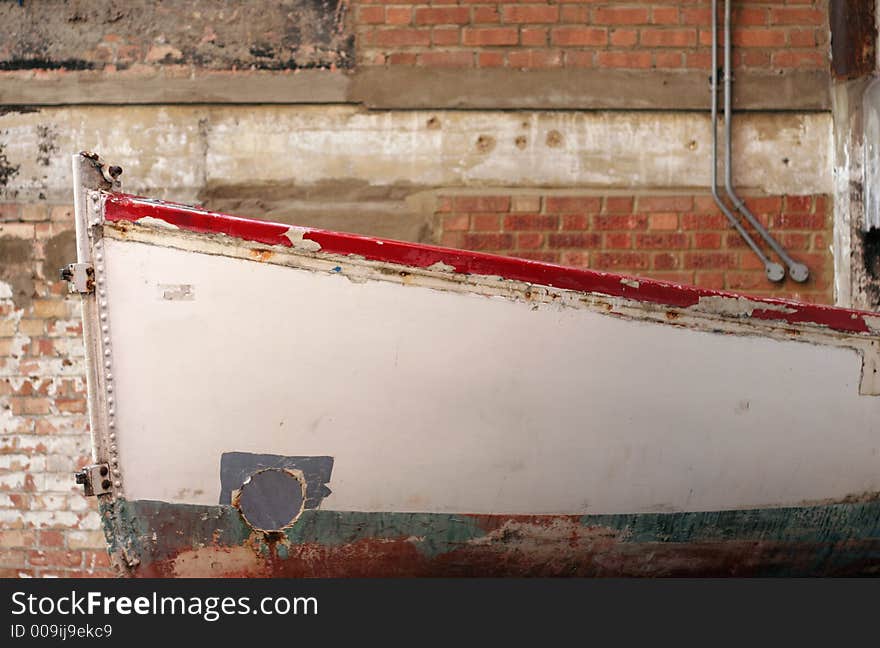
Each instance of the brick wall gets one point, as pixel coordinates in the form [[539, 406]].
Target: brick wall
[[661, 34], [681, 238], [46, 526]]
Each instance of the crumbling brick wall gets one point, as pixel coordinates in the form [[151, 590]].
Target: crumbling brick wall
[[46, 526]]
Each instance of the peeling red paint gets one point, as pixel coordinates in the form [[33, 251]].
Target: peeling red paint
[[121, 207]]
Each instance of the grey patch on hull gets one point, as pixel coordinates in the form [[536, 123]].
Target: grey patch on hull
[[177, 292], [237, 467], [271, 499]]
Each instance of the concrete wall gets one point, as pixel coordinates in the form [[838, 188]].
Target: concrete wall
[[572, 132]]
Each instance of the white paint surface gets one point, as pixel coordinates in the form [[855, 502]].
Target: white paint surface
[[437, 401]]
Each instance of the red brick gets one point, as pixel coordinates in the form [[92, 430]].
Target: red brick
[[575, 259], [398, 15], [668, 60], [663, 221], [799, 58], [452, 239], [623, 37], [666, 261], [745, 280], [490, 36], [802, 38], [674, 240], [533, 36], [486, 15], [710, 260], [442, 16], [620, 222], [580, 59], [532, 59], [696, 16], [371, 15], [664, 16], [400, 37], [764, 205], [669, 37], [516, 222], [620, 16], [800, 221], [618, 205], [569, 204], [51, 539], [618, 240], [529, 240], [445, 36], [704, 222], [751, 16], [490, 59], [797, 16], [485, 222], [798, 204], [664, 203], [456, 222], [621, 260], [487, 241], [578, 36], [574, 240], [759, 38], [575, 222], [574, 14], [707, 240], [711, 280], [530, 13], [624, 59], [55, 558]]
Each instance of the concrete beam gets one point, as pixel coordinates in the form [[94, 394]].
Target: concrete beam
[[332, 153]]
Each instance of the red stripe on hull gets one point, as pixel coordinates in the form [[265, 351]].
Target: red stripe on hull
[[120, 207]]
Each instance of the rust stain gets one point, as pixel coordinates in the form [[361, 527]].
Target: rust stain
[[853, 38], [260, 255]]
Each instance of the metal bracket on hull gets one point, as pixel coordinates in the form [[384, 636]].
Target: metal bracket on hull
[[80, 277], [94, 479]]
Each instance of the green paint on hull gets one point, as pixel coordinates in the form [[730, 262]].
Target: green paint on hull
[[842, 538]]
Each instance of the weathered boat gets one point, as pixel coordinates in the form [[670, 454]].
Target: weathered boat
[[268, 400]]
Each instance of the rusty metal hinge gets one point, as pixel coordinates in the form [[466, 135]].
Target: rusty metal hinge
[[80, 277], [94, 479]]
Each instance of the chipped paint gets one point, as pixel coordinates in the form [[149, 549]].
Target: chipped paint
[[873, 323], [296, 236], [439, 266], [738, 306], [155, 222], [632, 283]]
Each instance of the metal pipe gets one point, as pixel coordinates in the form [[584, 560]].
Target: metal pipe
[[797, 271], [774, 271]]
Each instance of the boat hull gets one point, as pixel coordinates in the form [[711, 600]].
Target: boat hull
[[269, 400]]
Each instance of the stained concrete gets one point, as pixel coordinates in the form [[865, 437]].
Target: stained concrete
[[332, 152], [209, 34]]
